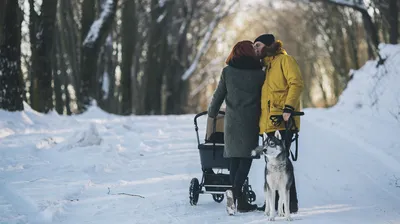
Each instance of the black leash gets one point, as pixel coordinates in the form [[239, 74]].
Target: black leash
[[290, 125]]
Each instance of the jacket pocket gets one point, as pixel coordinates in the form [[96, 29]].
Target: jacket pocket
[[278, 101]]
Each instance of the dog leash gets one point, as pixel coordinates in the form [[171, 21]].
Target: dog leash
[[296, 136], [290, 125]]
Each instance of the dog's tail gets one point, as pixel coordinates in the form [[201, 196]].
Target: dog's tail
[[257, 151]]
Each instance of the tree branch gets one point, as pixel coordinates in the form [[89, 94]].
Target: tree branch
[[355, 4], [206, 39]]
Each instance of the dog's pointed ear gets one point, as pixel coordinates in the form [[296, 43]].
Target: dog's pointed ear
[[278, 135], [265, 136]]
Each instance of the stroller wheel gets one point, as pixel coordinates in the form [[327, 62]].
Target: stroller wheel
[[218, 197], [251, 196], [194, 191]]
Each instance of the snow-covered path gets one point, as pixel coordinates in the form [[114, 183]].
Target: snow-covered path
[[71, 170]]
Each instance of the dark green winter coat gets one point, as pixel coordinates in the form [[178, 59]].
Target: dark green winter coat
[[240, 86]]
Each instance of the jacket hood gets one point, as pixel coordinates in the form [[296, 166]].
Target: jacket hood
[[276, 49]]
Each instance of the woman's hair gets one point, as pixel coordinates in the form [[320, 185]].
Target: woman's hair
[[242, 48]]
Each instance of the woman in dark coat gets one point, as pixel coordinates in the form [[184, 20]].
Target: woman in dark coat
[[240, 86]]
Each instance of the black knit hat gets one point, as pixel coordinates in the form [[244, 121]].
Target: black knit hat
[[266, 39]]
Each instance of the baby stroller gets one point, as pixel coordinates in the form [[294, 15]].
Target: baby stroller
[[211, 157]]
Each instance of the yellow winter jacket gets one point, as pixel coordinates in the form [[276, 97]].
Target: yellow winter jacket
[[282, 86]]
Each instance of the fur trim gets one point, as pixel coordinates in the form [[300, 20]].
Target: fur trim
[[279, 43], [275, 47]]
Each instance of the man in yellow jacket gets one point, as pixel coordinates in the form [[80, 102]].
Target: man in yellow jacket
[[280, 93]]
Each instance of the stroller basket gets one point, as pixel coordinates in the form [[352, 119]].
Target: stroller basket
[[212, 156], [212, 150]]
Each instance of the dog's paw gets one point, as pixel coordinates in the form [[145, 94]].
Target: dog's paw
[[289, 218], [253, 153], [271, 219], [281, 212]]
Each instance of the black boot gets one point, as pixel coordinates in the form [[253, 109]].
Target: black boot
[[262, 208], [243, 205]]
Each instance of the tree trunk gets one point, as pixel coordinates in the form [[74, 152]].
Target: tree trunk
[[11, 84], [138, 106], [71, 46], [88, 16], [153, 72], [129, 28], [372, 34], [97, 91], [394, 21], [33, 23], [42, 60], [176, 96], [58, 71], [91, 49], [111, 102], [67, 97], [352, 42], [3, 4]]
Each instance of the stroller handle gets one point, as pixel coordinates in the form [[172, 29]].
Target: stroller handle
[[195, 122], [201, 114]]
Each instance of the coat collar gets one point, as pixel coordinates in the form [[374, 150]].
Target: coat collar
[[276, 47], [269, 59], [245, 62]]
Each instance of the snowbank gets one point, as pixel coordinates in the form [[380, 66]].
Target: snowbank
[[375, 90]]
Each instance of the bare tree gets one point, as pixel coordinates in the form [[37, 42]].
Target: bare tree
[[388, 11], [11, 85], [394, 7], [129, 35], [370, 27], [3, 4], [91, 47], [42, 38], [221, 13]]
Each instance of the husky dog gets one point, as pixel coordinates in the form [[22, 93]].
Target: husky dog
[[278, 175]]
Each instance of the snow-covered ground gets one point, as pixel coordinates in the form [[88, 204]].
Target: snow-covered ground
[[100, 168]]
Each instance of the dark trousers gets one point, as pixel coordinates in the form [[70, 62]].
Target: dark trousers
[[293, 192], [239, 169]]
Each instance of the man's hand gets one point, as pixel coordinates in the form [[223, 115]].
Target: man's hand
[[287, 111], [286, 116]]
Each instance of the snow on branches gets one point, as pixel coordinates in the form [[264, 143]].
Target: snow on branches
[[207, 37], [97, 25]]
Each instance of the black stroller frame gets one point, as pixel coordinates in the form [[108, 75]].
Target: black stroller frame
[[211, 157]]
